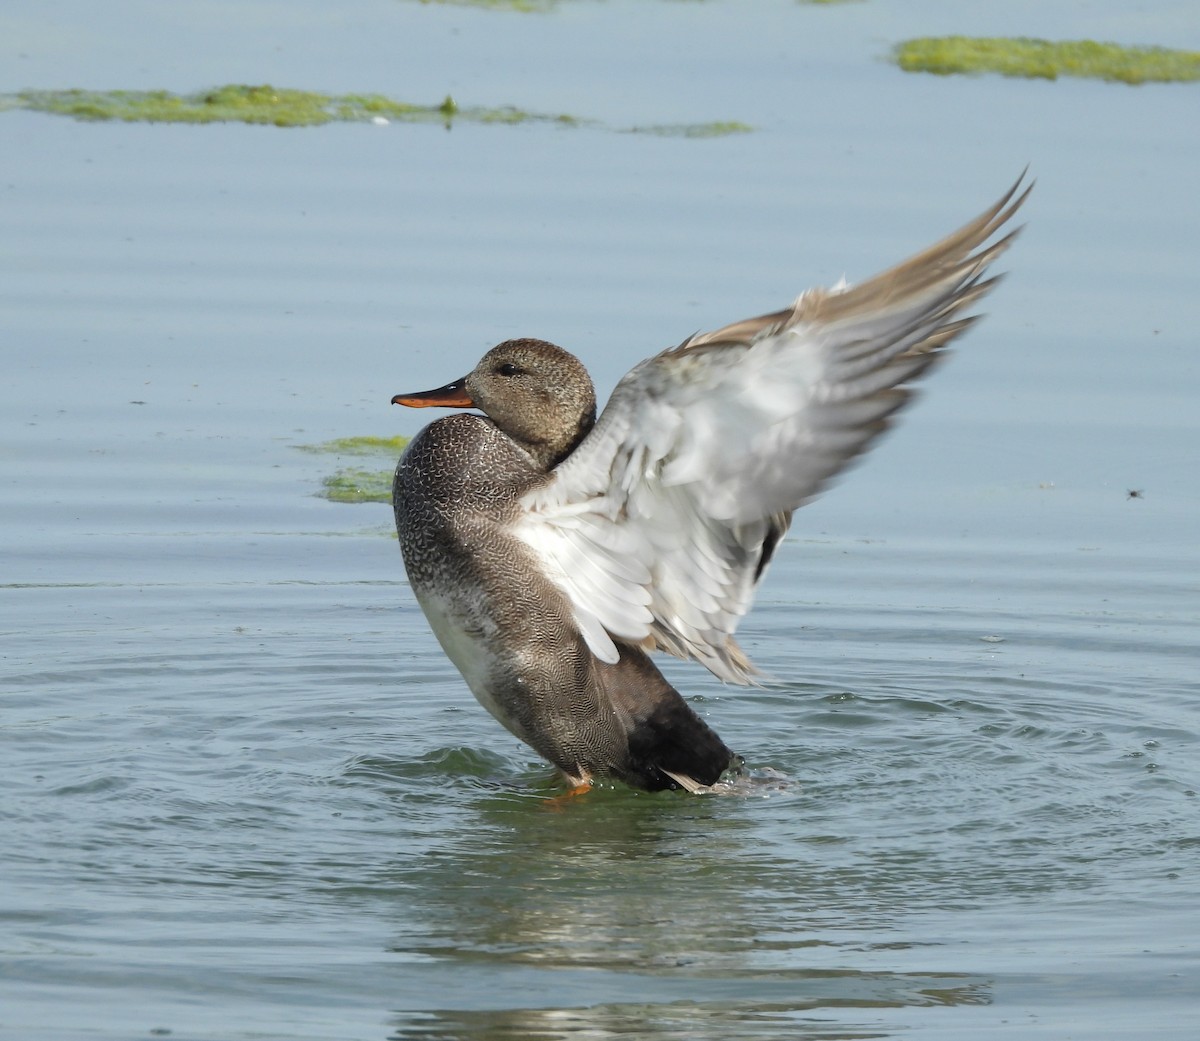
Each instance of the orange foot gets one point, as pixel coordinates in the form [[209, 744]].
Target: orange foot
[[556, 803]]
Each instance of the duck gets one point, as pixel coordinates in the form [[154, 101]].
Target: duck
[[553, 551]]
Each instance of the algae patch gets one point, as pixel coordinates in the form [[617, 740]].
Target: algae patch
[[359, 446], [1047, 59], [714, 129], [284, 107], [274, 106], [355, 483]]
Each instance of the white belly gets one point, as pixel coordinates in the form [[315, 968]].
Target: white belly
[[459, 634]]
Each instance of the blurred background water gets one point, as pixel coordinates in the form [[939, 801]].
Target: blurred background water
[[246, 796]]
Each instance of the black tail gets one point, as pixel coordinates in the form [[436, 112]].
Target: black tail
[[674, 740], [665, 736]]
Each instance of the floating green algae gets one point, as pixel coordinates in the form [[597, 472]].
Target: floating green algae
[[1046, 59], [714, 129], [357, 484], [284, 107], [360, 446], [276, 106]]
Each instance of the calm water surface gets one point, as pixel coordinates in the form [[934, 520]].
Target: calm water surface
[[244, 794]]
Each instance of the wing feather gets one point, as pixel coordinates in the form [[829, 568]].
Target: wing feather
[[661, 523]]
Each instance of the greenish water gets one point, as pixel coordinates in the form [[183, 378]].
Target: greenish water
[[245, 796]]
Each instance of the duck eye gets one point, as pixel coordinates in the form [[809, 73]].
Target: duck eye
[[509, 369]]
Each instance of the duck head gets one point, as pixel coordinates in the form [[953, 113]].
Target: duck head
[[538, 394]]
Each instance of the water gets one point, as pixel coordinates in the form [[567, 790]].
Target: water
[[245, 795]]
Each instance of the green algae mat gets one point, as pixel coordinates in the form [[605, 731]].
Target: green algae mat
[[1046, 59], [358, 483], [285, 107]]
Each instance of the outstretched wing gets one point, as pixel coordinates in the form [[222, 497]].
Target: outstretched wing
[[660, 524]]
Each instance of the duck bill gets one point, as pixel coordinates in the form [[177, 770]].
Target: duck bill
[[452, 395]]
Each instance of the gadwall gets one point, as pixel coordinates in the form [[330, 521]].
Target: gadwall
[[551, 551]]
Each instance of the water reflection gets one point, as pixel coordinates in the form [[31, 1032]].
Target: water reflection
[[732, 1011], [656, 914]]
